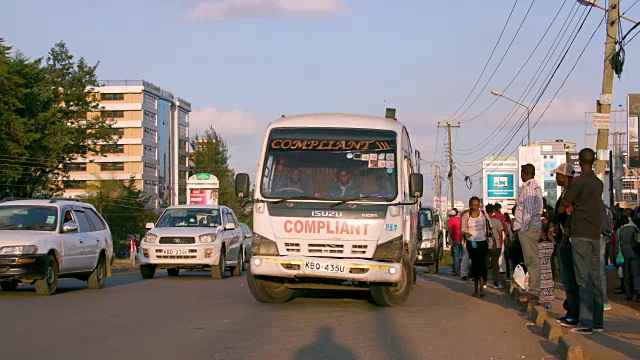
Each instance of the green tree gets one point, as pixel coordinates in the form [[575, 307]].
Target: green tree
[[211, 155], [50, 116], [123, 206]]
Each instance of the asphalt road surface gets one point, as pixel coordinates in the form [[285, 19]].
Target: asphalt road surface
[[195, 317]]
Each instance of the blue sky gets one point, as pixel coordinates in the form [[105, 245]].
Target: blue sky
[[243, 63]]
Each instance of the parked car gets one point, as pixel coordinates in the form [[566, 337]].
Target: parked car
[[44, 240], [248, 237], [196, 237], [430, 239]]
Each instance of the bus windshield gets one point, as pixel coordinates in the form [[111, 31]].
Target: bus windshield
[[330, 164]]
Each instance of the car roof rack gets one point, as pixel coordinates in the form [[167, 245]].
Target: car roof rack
[[12, 199], [56, 199]]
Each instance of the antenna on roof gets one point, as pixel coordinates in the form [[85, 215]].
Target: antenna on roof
[[390, 114]]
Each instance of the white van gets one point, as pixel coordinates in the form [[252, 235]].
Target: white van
[[335, 205]]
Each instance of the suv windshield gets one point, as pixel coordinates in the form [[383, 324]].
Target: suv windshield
[[192, 217], [330, 164], [28, 217], [426, 218]]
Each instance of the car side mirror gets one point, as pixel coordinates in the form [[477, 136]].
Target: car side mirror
[[242, 185], [69, 226], [229, 226], [415, 185], [149, 226]]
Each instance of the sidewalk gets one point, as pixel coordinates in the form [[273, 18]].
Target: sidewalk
[[621, 339], [123, 266]]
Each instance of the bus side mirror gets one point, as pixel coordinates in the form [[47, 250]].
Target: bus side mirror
[[415, 185], [242, 185]]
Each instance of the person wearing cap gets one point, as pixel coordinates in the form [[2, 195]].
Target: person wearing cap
[[564, 174], [453, 224], [345, 187]]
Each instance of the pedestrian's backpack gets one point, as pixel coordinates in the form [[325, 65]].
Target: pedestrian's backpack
[[607, 221]]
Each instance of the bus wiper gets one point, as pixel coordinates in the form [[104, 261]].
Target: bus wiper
[[300, 197], [357, 198]]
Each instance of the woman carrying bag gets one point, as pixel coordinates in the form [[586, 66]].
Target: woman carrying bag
[[476, 229]]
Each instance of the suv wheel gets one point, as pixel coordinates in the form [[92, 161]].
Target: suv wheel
[[49, 284], [217, 272], [147, 271], [99, 274], [237, 271]]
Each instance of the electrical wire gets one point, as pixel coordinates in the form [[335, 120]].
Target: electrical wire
[[504, 28]]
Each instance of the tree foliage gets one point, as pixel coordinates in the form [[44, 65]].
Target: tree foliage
[[123, 206], [211, 155], [49, 115]]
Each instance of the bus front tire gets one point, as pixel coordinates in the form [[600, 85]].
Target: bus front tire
[[394, 294]]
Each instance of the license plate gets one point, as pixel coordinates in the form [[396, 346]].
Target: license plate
[[318, 266], [175, 251]]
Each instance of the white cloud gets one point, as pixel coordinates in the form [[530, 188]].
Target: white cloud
[[231, 124], [234, 9]]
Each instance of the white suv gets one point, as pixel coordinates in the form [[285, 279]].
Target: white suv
[[43, 240], [193, 237]]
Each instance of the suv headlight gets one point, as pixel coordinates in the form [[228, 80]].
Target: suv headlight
[[207, 238], [150, 238], [19, 250]]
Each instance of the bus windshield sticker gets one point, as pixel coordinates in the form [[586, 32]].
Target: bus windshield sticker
[[390, 156], [365, 157], [349, 155], [381, 163], [331, 145], [390, 170], [373, 163], [390, 164]]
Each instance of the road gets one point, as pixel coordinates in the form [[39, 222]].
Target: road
[[194, 317]]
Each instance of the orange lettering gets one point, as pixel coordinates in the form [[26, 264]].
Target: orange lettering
[[366, 227], [321, 226], [355, 230], [310, 227], [298, 226], [344, 229]]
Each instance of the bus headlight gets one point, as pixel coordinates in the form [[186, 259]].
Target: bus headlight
[[260, 245], [390, 250]]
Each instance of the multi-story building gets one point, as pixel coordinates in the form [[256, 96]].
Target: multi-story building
[[152, 128]]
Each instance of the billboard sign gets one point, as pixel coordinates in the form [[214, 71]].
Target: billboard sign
[[203, 196], [633, 106], [202, 189], [501, 185]]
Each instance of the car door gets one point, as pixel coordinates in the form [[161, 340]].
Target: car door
[[89, 241], [101, 231], [233, 236], [71, 257]]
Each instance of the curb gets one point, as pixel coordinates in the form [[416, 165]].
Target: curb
[[568, 348], [129, 269]]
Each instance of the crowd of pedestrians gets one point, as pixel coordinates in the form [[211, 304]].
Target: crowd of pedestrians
[[575, 233]]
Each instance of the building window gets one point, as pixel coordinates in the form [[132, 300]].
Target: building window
[[182, 116], [182, 175], [628, 185], [112, 166], [149, 100], [76, 166], [150, 134], [182, 160], [150, 117], [113, 148], [112, 114], [182, 130], [149, 151], [109, 96], [116, 131], [182, 145], [74, 184]]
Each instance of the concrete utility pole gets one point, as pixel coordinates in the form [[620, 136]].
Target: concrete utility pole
[[604, 104], [450, 176]]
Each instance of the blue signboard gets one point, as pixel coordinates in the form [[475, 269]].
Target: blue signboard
[[501, 186]]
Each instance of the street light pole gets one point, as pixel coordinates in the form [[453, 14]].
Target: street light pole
[[500, 94]]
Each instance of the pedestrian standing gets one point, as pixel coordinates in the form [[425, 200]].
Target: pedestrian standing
[[528, 224], [495, 245], [564, 174], [475, 228], [505, 235], [464, 262], [626, 239], [453, 224], [583, 203]]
